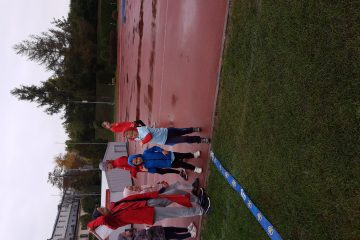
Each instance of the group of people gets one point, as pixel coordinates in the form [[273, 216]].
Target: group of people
[[149, 204]]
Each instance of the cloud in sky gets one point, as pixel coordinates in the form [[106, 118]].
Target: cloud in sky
[[29, 137]]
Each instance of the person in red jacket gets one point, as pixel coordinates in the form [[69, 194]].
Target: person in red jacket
[[146, 208], [121, 163], [121, 126]]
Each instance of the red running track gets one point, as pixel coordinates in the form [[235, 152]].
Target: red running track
[[168, 65]]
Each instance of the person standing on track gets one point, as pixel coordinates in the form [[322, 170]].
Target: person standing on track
[[122, 163], [146, 208], [156, 157], [163, 136]]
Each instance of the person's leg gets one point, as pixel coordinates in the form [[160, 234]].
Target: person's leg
[[158, 202], [173, 233], [166, 170], [180, 164], [175, 212], [171, 140], [172, 132], [180, 185], [177, 229], [182, 156], [173, 191]]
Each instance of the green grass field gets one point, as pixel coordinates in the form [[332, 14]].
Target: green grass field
[[288, 121]]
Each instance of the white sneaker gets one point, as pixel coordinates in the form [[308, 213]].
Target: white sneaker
[[196, 154], [193, 232], [198, 170], [190, 227], [205, 140], [196, 129]]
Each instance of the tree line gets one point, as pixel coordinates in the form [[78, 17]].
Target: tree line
[[68, 50]]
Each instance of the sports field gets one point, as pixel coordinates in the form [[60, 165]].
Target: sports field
[[287, 123]]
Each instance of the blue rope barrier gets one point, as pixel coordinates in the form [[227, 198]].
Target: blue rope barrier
[[265, 224]]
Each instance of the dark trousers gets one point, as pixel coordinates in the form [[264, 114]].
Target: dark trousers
[[175, 135], [166, 170], [179, 161], [176, 233]]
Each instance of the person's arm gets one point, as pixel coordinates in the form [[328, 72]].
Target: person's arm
[[133, 172], [144, 135], [154, 149], [147, 138], [140, 196], [143, 169], [151, 170], [92, 225], [165, 184], [95, 234], [119, 126]]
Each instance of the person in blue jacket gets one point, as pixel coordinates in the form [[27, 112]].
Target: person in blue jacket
[[156, 157]]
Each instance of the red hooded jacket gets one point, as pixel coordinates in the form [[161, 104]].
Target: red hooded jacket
[[122, 163], [134, 210], [120, 126]]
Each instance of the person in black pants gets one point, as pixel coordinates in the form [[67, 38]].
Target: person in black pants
[[156, 158]]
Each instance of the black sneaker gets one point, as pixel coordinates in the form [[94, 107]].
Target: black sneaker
[[201, 193], [205, 204], [183, 174], [195, 186]]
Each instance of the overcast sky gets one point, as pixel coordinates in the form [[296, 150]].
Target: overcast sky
[[29, 137]]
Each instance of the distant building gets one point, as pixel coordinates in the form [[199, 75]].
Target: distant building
[[82, 232], [67, 219]]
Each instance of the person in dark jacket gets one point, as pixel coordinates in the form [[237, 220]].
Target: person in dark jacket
[[156, 157]]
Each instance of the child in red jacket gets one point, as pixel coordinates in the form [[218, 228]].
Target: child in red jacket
[[121, 126]]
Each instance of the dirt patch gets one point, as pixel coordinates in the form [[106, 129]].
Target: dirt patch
[[174, 100]]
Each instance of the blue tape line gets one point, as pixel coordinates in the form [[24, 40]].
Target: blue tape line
[[123, 11], [265, 224]]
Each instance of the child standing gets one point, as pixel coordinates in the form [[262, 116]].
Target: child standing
[[122, 163], [163, 136], [157, 157]]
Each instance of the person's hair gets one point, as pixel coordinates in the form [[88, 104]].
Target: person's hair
[[96, 214], [103, 165]]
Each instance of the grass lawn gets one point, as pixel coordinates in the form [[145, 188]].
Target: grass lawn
[[288, 121]]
